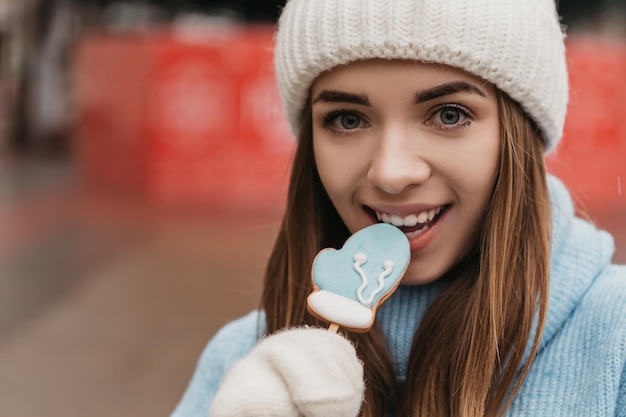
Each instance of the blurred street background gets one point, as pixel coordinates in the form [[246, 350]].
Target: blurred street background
[[143, 167]]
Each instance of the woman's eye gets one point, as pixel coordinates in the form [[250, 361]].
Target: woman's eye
[[451, 116], [343, 121], [349, 121]]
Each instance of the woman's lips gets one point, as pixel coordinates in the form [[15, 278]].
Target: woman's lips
[[420, 239], [420, 228]]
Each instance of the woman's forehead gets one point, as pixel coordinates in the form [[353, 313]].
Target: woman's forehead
[[361, 75]]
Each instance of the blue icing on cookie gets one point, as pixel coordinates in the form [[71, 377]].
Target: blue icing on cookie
[[334, 270]]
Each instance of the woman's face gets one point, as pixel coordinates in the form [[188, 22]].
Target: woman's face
[[412, 144]]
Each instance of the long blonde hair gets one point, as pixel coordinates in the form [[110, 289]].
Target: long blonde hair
[[467, 354]]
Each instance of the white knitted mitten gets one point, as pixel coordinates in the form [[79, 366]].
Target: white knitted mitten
[[300, 372]]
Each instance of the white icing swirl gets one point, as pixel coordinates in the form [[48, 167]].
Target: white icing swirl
[[359, 260]]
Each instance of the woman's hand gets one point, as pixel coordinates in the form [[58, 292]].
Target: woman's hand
[[301, 372]]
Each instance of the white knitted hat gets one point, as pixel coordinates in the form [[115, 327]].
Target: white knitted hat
[[518, 45]]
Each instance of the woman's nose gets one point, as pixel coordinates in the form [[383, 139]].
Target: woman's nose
[[398, 162]]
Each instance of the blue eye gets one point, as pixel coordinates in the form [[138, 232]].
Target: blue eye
[[450, 116], [349, 121], [344, 121]]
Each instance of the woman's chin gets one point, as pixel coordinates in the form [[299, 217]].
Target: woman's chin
[[417, 275]]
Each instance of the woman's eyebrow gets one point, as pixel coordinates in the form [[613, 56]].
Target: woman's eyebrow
[[333, 96], [445, 89]]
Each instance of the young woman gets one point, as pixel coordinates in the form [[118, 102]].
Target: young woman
[[433, 116]]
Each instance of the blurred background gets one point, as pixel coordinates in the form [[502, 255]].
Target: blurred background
[[143, 166]]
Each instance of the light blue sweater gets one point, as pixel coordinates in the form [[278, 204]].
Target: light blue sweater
[[580, 369]]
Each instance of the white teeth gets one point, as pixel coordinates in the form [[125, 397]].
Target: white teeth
[[397, 220], [410, 220], [422, 217]]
